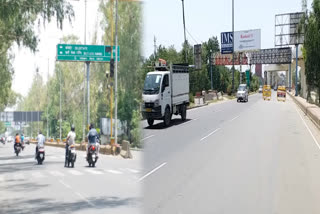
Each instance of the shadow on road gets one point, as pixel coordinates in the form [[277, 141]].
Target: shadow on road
[[174, 122], [29, 165], [14, 157], [22, 187], [41, 205]]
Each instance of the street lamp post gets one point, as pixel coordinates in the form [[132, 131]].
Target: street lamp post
[[233, 46], [184, 28], [116, 80]]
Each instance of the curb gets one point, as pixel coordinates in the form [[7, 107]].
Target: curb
[[307, 110]]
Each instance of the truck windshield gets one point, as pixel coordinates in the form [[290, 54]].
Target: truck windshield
[[152, 84], [242, 88]]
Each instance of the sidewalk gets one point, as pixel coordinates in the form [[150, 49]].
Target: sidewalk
[[311, 110]]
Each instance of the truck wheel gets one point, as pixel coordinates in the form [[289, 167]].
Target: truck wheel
[[150, 122], [167, 117], [183, 112]]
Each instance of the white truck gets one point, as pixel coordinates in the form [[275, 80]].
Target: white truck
[[166, 92]]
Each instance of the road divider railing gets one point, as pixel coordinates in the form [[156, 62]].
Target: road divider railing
[[123, 150], [311, 110]]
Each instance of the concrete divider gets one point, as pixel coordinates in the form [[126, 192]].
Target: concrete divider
[[104, 149], [311, 110]]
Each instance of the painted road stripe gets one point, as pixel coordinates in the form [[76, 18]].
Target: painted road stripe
[[114, 172], [133, 170], [75, 172], [147, 137], [86, 200], [92, 171], [56, 174], [189, 122], [152, 171], [234, 118], [64, 184], [210, 134], [314, 139]]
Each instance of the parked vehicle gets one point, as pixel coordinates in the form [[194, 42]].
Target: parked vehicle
[[71, 156], [40, 155], [266, 94], [166, 92], [281, 93], [242, 93], [260, 89]]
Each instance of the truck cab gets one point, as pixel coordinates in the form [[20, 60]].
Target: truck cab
[[166, 92]]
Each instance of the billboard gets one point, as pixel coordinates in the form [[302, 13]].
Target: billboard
[[243, 41], [226, 43], [226, 59], [247, 40]]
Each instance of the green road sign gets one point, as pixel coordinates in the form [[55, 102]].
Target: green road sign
[[85, 53], [248, 77], [7, 124]]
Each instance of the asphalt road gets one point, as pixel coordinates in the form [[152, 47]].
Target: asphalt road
[[255, 157], [25, 187]]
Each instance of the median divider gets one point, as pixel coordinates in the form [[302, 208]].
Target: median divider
[[104, 149], [311, 110]]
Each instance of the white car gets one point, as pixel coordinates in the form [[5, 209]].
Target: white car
[[260, 89], [10, 139], [242, 93]]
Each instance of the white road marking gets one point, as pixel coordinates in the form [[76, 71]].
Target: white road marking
[[64, 184], [92, 171], [147, 137], [56, 174], [133, 170], [314, 139], [75, 172], [152, 171], [234, 118], [18, 176], [38, 175], [115, 172], [189, 122], [86, 200], [210, 134]]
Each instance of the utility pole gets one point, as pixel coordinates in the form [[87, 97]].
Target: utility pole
[[210, 60], [296, 86], [155, 46], [84, 72], [48, 102], [185, 38], [60, 105], [232, 46], [116, 79]]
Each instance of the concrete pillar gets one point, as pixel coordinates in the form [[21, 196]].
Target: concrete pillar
[[287, 78], [303, 80]]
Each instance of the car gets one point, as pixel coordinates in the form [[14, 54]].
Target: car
[[10, 139], [242, 93], [260, 89], [275, 88]]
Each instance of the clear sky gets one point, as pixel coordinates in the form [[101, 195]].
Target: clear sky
[[163, 19], [206, 18]]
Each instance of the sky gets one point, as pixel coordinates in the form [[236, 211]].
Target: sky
[[163, 20]]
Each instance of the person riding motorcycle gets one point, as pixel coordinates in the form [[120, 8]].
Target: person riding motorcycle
[[17, 142], [22, 141], [40, 142], [70, 141], [93, 137]]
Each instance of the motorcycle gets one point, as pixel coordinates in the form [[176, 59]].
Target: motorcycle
[[40, 155], [92, 154], [71, 156], [3, 141], [17, 148]]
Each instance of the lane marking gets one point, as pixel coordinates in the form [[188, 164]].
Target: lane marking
[[189, 122], [147, 137], [57, 174], [92, 171], [234, 118], [64, 184], [152, 171], [314, 139], [133, 170], [86, 200], [114, 171], [209, 134], [75, 172]]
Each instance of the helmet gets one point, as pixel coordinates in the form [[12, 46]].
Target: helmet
[[72, 128], [91, 126], [40, 132]]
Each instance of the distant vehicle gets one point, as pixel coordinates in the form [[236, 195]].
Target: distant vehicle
[[10, 139], [26, 140], [275, 88], [260, 89], [242, 93], [166, 92]]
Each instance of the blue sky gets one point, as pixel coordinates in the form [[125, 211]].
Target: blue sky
[[206, 18]]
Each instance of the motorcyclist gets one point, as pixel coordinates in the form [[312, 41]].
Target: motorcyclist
[[70, 141], [22, 141], [93, 137], [17, 142], [40, 142]]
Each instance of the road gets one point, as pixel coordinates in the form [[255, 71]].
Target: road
[[256, 157], [111, 187]]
